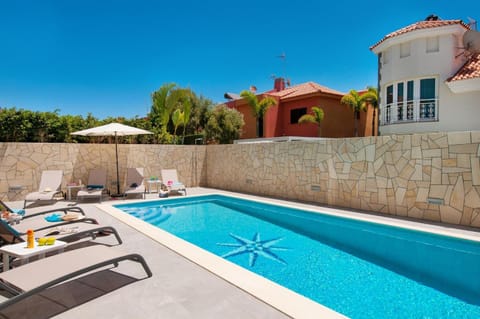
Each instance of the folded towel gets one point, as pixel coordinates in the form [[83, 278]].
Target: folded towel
[[71, 216], [54, 217], [94, 186], [19, 211], [62, 230]]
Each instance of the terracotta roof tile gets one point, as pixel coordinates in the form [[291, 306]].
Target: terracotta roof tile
[[419, 26], [303, 89], [469, 70]]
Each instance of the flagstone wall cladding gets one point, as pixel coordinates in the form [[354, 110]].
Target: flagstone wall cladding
[[403, 175], [433, 176], [22, 163]]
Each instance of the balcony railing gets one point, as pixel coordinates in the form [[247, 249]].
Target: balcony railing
[[409, 111]]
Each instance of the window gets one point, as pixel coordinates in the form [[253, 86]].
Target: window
[[390, 94], [427, 99], [427, 89], [404, 50], [410, 100], [400, 110], [388, 111], [296, 114], [432, 44]]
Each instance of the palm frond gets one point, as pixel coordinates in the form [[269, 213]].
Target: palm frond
[[370, 98], [259, 107], [307, 118], [353, 100], [318, 113], [265, 104]]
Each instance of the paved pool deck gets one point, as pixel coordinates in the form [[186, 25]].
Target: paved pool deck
[[178, 289]]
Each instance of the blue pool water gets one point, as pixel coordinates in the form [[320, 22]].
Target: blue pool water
[[360, 269]]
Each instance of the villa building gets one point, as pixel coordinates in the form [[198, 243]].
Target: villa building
[[428, 81], [295, 101]]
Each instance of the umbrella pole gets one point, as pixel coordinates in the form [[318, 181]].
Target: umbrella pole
[[116, 157]]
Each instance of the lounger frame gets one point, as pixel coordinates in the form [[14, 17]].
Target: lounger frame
[[20, 294]]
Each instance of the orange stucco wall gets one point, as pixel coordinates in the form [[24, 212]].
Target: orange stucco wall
[[338, 121], [249, 129]]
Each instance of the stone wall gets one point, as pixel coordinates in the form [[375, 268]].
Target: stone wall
[[435, 176], [22, 163]]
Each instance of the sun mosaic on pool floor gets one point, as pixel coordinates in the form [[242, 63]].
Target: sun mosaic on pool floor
[[254, 248]]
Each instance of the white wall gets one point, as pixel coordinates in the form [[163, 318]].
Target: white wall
[[456, 111]]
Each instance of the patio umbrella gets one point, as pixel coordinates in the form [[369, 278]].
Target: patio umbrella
[[113, 129]]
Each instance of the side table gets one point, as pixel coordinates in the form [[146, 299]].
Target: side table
[[69, 190], [23, 253], [155, 182]]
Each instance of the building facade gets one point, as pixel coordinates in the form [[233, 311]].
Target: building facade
[[427, 81], [297, 100]]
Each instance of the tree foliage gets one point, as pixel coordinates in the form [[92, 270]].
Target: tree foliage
[[258, 107], [316, 117], [224, 125], [353, 100], [174, 110], [370, 98], [360, 102]]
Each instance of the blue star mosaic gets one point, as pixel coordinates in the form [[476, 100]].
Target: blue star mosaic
[[254, 248]]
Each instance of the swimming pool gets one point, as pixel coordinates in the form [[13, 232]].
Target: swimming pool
[[342, 263]]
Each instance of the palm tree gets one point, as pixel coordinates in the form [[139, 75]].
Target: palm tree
[[187, 112], [177, 118], [163, 102], [181, 116], [316, 118], [166, 101], [353, 100], [259, 108], [370, 98]]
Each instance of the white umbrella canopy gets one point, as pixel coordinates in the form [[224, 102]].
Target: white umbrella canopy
[[113, 129]]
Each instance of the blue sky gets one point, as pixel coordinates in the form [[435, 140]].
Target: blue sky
[[106, 57]]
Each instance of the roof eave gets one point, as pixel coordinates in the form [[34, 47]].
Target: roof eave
[[314, 94], [464, 86], [385, 43]]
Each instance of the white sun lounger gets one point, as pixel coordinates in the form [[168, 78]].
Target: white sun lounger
[[97, 180], [170, 179], [50, 184], [135, 182]]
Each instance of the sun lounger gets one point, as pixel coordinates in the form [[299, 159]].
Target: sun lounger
[[65, 231], [40, 275], [97, 180], [59, 217], [50, 184], [25, 214], [134, 182], [4, 207], [170, 180]]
